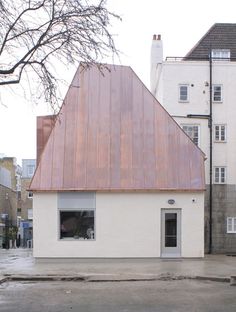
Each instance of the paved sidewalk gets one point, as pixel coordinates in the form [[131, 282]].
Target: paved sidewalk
[[20, 262]]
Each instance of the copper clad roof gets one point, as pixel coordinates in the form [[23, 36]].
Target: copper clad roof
[[44, 128], [112, 134]]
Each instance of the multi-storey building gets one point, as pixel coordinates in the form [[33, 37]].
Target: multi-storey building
[[199, 91], [26, 210], [10, 174]]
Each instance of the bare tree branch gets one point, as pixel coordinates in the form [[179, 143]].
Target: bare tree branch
[[35, 34]]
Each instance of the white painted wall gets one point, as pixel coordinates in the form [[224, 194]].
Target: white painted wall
[[156, 59], [126, 225], [165, 88]]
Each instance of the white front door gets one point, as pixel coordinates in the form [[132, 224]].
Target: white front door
[[170, 233]]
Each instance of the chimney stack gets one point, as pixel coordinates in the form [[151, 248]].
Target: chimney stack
[[156, 59], [156, 37]]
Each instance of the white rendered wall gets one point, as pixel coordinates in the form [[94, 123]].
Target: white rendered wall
[[196, 75], [156, 60], [126, 225]]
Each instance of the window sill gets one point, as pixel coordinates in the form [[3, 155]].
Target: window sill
[[220, 141]]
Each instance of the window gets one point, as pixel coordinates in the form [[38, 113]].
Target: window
[[76, 215], [217, 93], [30, 170], [183, 93], [220, 175], [193, 132], [30, 213], [220, 54], [220, 133], [77, 224], [30, 194], [231, 225]]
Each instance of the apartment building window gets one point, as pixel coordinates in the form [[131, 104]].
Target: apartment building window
[[231, 225], [193, 132], [183, 93], [30, 170], [220, 54], [220, 133], [220, 175], [30, 194], [217, 93]]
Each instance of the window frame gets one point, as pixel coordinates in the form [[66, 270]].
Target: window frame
[[219, 54], [220, 135], [192, 125], [179, 94], [75, 236], [213, 93], [30, 213], [233, 225], [220, 174], [76, 201], [30, 170], [30, 194]]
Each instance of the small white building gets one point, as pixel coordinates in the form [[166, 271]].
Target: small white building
[[188, 87], [116, 175]]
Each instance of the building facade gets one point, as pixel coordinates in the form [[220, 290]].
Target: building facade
[[199, 92], [10, 182], [26, 209], [115, 176]]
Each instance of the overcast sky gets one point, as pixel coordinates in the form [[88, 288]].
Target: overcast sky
[[181, 24]]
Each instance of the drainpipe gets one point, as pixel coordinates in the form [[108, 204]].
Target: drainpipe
[[209, 117], [210, 160]]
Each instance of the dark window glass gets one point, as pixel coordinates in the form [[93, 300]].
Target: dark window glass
[[77, 224], [171, 230]]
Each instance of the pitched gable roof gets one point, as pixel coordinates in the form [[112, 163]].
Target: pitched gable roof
[[219, 36], [112, 134]]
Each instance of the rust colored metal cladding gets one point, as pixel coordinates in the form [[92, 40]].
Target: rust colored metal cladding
[[112, 134], [44, 128]]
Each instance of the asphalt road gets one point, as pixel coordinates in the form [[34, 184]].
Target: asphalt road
[[151, 296]]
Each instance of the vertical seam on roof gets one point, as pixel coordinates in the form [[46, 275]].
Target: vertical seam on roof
[[143, 167], [98, 129], [87, 126], [131, 126], [154, 139], [120, 85], [64, 150], [109, 150], [52, 157], [76, 126]]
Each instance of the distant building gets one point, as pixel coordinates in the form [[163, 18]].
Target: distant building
[[10, 174], [26, 213], [199, 92]]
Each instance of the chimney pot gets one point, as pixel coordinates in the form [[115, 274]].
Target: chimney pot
[[159, 37], [154, 37]]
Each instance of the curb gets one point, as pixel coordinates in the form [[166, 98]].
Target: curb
[[3, 280], [213, 279], [107, 278]]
